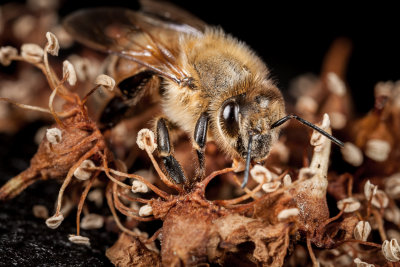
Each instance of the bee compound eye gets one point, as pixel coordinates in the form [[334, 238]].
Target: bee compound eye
[[230, 115]]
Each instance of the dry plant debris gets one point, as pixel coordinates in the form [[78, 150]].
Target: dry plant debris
[[282, 218]]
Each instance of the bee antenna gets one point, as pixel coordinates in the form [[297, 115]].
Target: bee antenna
[[248, 159], [309, 124]]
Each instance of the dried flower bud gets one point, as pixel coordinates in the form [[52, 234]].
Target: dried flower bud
[[285, 214], [271, 187], [261, 174], [370, 190], [145, 138], [82, 174], [139, 187], [6, 53], [54, 221], [96, 196], [391, 250], [392, 186], [54, 135], [360, 263], [52, 44], [92, 221], [377, 149], [287, 180], [380, 199], [352, 154], [69, 72], [145, 210], [352, 204], [32, 53], [335, 84], [362, 230], [105, 81], [40, 211], [80, 240]]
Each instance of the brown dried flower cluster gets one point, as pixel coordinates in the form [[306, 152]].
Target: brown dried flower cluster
[[282, 218]]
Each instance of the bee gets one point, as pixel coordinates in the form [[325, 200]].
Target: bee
[[211, 85]]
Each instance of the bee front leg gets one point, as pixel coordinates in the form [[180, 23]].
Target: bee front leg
[[164, 146], [200, 138]]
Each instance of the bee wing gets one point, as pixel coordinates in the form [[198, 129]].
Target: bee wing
[[144, 39]]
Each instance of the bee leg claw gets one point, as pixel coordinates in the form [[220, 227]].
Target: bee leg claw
[[172, 166], [200, 138]]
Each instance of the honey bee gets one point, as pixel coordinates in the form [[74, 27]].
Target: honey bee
[[212, 85]]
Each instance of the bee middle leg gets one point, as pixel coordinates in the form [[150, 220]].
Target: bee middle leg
[[164, 146], [200, 138]]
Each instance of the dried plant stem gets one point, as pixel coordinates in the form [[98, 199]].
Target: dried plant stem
[[365, 243], [154, 236], [324, 224], [81, 143], [208, 179], [82, 201], [89, 94], [381, 227], [239, 199], [248, 191], [24, 106], [164, 178], [51, 108], [311, 252]]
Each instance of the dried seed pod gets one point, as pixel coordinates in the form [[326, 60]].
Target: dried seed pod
[[392, 186], [32, 53], [391, 250], [145, 210], [287, 213], [261, 174], [54, 135], [82, 174], [380, 199], [271, 187], [52, 44], [287, 180], [352, 204], [92, 221], [80, 240], [145, 138], [54, 221], [362, 230], [139, 187], [40, 211], [377, 149], [360, 263], [370, 190], [6, 53], [69, 72], [352, 154], [105, 81]]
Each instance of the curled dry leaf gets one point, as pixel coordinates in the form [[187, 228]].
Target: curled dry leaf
[[145, 139], [92, 221], [32, 53], [82, 173], [105, 81], [54, 221], [261, 174], [69, 72], [352, 154], [52, 44], [54, 135], [6, 54], [352, 204], [79, 240], [362, 230], [391, 250], [139, 187]]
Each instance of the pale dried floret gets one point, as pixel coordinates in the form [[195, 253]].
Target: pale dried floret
[[105, 81], [40, 211], [391, 250], [96, 196], [352, 204], [335, 84], [54, 221], [92, 221], [145, 210], [317, 139], [32, 53], [23, 26], [360, 263], [370, 190], [145, 139], [69, 72], [338, 120], [362, 230], [54, 135], [377, 149], [287, 213], [392, 185], [52, 44], [6, 54], [260, 174], [65, 40], [82, 172], [82, 67], [306, 104], [383, 89], [80, 240], [380, 199], [392, 214], [287, 180], [139, 187], [271, 187], [352, 154]]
